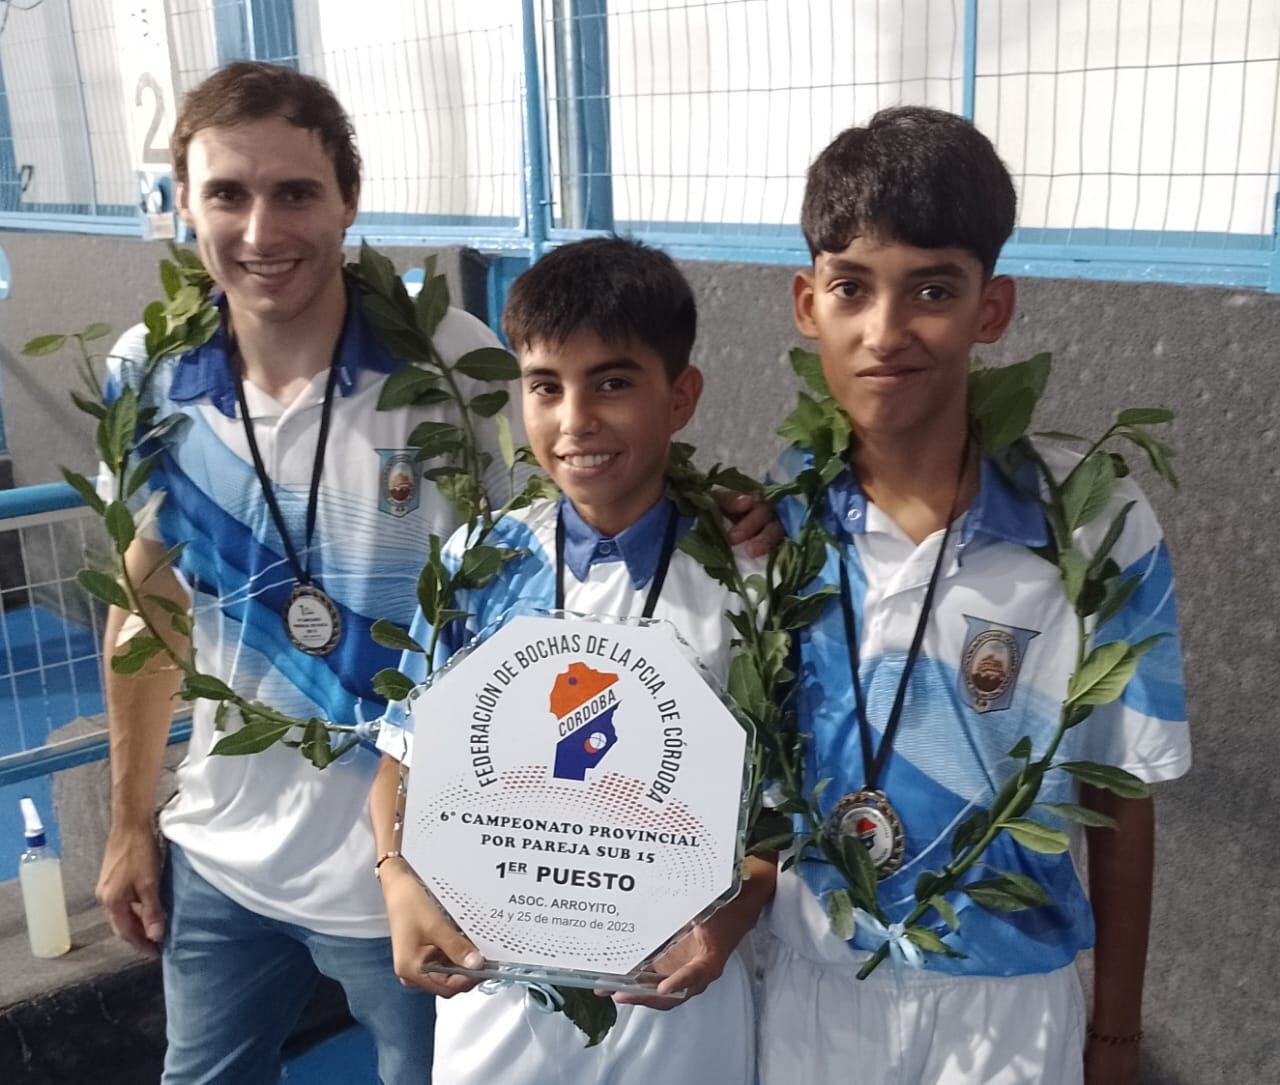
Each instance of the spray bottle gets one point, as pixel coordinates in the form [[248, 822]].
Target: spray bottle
[[40, 873]]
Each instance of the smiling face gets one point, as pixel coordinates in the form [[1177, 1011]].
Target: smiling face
[[895, 326], [600, 417], [269, 218]]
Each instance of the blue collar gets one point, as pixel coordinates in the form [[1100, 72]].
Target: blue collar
[[639, 546], [1002, 508], [206, 371]]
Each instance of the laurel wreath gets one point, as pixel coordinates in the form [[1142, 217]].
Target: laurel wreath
[[1001, 404]]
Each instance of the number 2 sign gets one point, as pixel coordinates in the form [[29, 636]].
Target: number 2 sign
[[145, 68]]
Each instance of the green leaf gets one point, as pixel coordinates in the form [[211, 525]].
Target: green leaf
[[506, 447], [859, 871], [117, 428], [487, 404], [407, 386], [480, 564], [119, 521], [1087, 490], [803, 422], [85, 489], [206, 686], [1021, 749], [745, 685], [1107, 777], [593, 1015], [139, 474], [251, 738], [1144, 416], [733, 479], [969, 832], [1159, 453], [1103, 675], [168, 558], [170, 278], [1117, 596], [134, 657], [377, 272], [798, 612], [430, 581], [840, 913], [431, 303], [96, 330], [927, 940], [808, 367], [1080, 815], [1037, 837], [943, 907], [43, 345], [89, 406], [103, 587], [1002, 400], [1109, 540], [430, 434], [1073, 567], [488, 364], [316, 745], [390, 635], [392, 685], [1007, 893]]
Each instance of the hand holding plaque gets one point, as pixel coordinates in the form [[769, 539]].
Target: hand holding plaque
[[576, 799]]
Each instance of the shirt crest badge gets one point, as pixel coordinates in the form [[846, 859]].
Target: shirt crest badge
[[399, 486], [991, 661]]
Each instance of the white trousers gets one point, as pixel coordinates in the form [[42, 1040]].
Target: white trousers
[[497, 1039], [819, 1025]]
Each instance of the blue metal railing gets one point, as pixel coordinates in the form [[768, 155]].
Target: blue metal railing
[[21, 509]]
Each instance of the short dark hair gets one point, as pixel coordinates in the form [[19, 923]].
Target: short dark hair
[[617, 288], [919, 176], [250, 90]]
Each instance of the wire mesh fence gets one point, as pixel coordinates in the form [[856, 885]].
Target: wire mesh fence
[[1130, 126]]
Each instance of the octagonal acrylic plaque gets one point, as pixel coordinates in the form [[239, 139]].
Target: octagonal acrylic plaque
[[577, 797]]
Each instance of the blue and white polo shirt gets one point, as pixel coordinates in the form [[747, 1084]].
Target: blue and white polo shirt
[[997, 654], [603, 575], [269, 830]]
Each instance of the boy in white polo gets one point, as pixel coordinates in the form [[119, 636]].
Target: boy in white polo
[[905, 219], [603, 329]]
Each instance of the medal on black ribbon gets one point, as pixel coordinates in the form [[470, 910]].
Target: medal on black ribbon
[[867, 815], [311, 618]]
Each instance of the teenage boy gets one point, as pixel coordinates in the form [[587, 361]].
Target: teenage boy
[[603, 329], [904, 220], [266, 875]]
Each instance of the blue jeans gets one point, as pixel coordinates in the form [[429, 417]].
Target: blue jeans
[[235, 983]]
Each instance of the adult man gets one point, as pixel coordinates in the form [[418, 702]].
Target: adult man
[[268, 872]]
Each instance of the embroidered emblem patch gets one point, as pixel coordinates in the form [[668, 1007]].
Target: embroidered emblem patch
[[399, 485], [991, 661]]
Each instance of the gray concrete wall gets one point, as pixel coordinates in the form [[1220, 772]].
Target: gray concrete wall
[[1213, 989]]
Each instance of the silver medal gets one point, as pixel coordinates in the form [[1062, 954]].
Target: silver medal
[[311, 620], [868, 817]]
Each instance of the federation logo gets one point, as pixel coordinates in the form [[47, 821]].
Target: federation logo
[[991, 661], [583, 700], [398, 484]]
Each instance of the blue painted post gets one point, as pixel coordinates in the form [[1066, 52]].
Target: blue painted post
[[537, 197], [970, 56], [10, 184], [1273, 272], [273, 31], [582, 73]]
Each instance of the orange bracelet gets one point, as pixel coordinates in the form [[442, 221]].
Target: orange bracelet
[[1115, 1041]]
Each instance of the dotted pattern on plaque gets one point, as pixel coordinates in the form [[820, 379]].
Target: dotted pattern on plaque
[[611, 800]]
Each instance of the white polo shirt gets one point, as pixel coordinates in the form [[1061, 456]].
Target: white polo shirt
[[997, 655], [270, 830]]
